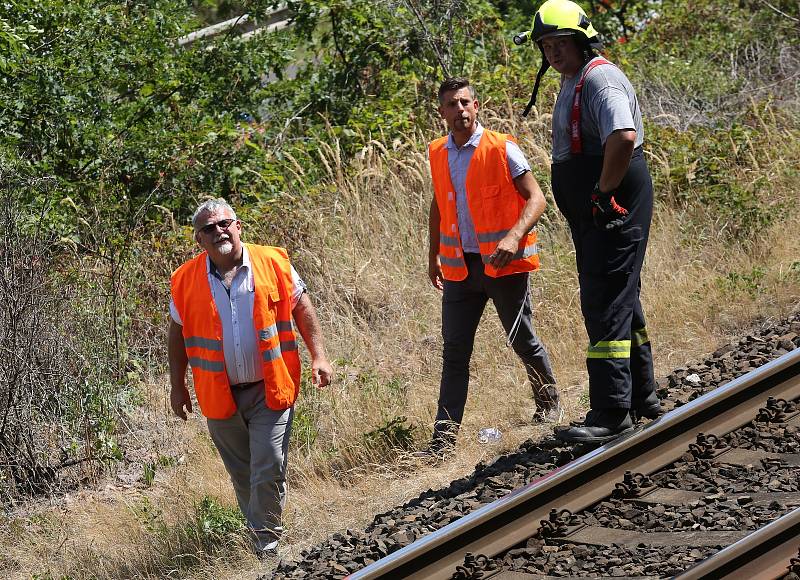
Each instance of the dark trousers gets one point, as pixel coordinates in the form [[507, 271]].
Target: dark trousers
[[619, 358], [462, 306]]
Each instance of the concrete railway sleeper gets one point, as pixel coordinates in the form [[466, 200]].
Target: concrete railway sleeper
[[535, 522], [664, 480]]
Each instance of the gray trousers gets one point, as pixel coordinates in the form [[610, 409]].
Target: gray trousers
[[462, 306], [253, 444]]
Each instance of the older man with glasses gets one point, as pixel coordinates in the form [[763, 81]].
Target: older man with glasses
[[232, 308]]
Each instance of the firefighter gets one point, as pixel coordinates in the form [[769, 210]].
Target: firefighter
[[603, 188]]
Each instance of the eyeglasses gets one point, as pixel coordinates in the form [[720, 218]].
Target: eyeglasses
[[209, 229]]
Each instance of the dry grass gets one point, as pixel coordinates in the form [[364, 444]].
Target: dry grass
[[365, 263]]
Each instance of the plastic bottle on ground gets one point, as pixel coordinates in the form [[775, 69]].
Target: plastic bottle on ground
[[489, 435]]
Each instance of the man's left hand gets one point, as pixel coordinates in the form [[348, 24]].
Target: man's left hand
[[504, 252], [321, 373], [606, 212]]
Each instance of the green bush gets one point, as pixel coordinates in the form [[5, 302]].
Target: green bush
[[394, 434]]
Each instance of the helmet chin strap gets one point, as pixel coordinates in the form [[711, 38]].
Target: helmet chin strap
[[539, 75]]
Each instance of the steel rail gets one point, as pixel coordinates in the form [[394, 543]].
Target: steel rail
[[766, 553], [510, 520]]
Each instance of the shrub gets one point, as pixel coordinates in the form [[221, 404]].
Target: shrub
[[57, 408]]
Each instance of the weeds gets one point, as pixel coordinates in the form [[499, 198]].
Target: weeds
[[57, 409], [395, 434]]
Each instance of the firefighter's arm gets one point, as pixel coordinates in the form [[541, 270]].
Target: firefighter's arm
[[606, 212], [616, 159]]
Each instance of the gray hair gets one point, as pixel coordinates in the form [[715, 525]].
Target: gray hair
[[210, 206]]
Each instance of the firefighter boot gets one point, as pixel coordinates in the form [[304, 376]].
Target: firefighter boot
[[649, 408], [600, 426]]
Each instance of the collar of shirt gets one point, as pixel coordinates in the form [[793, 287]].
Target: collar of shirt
[[211, 269], [473, 140]]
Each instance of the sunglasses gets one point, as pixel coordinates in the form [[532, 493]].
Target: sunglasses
[[209, 229]]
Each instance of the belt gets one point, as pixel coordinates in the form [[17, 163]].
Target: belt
[[245, 386]]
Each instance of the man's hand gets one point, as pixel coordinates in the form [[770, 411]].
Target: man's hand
[[504, 252], [435, 272], [180, 399], [607, 213], [321, 373]]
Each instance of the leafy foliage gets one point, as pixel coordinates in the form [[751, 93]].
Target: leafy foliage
[[101, 97], [706, 61]]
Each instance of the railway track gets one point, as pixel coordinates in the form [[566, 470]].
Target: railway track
[[554, 511], [652, 504]]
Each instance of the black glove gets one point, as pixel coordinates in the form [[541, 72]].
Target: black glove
[[607, 213]]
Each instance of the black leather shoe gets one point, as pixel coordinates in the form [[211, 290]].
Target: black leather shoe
[[649, 408], [600, 426]]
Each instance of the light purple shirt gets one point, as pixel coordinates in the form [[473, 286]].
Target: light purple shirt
[[239, 340], [458, 159]]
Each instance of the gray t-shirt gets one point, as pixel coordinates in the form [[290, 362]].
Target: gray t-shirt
[[608, 103]]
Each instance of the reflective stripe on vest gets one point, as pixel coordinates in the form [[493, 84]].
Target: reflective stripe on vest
[[200, 342], [492, 236], [446, 240], [494, 204], [454, 263], [576, 142], [271, 354], [268, 333], [520, 254], [272, 319], [206, 365]]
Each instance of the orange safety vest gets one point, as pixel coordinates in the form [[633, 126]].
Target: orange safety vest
[[272, 317], [494, 203]]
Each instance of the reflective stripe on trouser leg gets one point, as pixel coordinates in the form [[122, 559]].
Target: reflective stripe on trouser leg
[[609, 349], [608, 355], [507, 294], [462, 305]]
